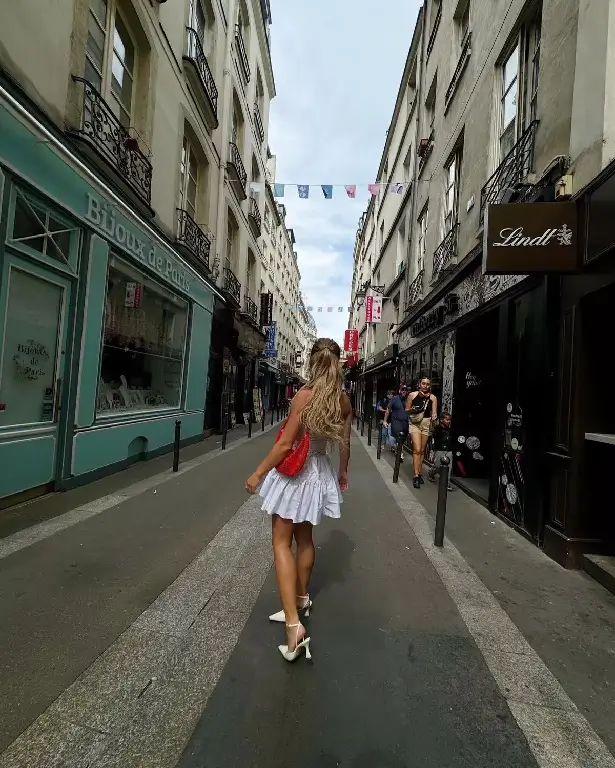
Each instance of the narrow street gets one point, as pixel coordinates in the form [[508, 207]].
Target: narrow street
[[137, 635]]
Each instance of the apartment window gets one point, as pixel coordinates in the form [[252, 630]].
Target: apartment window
[[519, 78], [189, 179], [463, 25], [231, 240], [111, 57], [421, 244], [250, 272], [451, 194], [408, 165], [201, 20], [235, 126]]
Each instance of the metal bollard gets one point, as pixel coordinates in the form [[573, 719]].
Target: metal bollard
[[250, 425], [379, 443], [357, 413], [398, 452], [272, 412], [362, 424], [369, 428], [263, 420], [176, 442], [224, 430], [438, 538]]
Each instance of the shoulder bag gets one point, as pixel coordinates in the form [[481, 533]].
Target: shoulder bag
[[417, 417], [293, 463]]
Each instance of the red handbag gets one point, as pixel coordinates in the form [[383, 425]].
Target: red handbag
[[293, 463]]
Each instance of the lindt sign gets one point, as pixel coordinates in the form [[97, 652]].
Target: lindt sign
[[530, 238]]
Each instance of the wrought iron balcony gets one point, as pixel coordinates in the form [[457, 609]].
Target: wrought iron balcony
[[415, 289], [511, 171], [251, 310], [231, 285], [258, 122], [254, 217], [112, 141], [192, 237], [199, 70], [237, 172], [425, 150], [444, 253], [242, 54]]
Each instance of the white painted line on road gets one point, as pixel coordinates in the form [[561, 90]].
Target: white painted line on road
[[558, 734], [139, 702], [29, 536]]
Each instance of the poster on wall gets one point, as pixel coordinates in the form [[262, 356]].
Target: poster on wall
[[373, 309], [270, 345], [257, 404]]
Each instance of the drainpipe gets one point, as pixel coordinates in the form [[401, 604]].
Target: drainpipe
[[419, 97], [227, 105]]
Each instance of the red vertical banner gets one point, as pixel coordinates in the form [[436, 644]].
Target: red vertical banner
[[351, 340], [369, 309]]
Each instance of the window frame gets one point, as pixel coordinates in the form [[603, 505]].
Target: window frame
[[185, 177], [451, 212], [109, 29], [421, 241]]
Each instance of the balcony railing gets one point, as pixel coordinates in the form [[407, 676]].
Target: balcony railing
[[258, 122], [255, 215], [425, 150], [231, 284], [242, 54], [195, 53], [445, 252], [190, 235], [512, 170], [237, 163], [251, 310], [113, 142], [415, 289]]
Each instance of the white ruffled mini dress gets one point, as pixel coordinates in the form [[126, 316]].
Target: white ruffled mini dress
[[310, 494]]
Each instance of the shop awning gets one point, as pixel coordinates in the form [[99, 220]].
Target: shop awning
[[381, 367], [269, 366]]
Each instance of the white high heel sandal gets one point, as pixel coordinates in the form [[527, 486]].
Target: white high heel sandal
[[304, 645], [303, 609]]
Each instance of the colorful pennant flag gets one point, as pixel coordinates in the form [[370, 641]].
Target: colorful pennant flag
[[319, 309], [327, 190], [340, 309], [397, 188], [310, 309], [351, 190], [278, 190], [304, 191], [373, 189], [329, 309]]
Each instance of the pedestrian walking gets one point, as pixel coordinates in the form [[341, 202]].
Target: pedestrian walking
[[422, 407], [443, 446], [301, 486], [397, 417]]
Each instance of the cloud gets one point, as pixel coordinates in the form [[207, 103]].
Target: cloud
[[337, 67]]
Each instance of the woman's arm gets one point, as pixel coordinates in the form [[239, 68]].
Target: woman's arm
[[342, 475], [434, 408], [387, 416], [284, 446]]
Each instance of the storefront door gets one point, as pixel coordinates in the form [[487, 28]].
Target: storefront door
[[34, 307]]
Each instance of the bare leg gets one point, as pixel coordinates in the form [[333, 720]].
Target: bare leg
[[305, 556], [417, 456], [286, 573], [421, 457]]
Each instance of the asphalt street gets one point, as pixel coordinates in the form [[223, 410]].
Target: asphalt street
[[135, 633]]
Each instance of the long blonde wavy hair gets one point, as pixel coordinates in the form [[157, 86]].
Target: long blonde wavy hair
[[322, 414]]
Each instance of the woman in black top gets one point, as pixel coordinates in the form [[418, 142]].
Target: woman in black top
[[422, 407]]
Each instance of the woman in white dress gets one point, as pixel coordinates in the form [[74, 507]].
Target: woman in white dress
[[298, 503]]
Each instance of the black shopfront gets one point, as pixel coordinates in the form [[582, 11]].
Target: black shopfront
[[483, 342], [380, 373], [581, 519]]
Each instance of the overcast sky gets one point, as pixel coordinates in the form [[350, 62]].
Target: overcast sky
[[337, 66]]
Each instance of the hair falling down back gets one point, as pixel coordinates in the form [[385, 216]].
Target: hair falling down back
[[322, 415]]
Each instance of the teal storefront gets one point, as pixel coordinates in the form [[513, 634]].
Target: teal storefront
[[104, 328]]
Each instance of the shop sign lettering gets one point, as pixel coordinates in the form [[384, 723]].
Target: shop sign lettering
[[437, 316], [530, 238], [102, 215], [29, 360]]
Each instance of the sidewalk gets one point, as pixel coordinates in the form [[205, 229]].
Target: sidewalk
[[566, 616], [138, 637]]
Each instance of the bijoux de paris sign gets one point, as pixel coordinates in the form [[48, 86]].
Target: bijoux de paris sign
[[530, 238]]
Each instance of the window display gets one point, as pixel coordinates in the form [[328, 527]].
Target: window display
[[144, 343]]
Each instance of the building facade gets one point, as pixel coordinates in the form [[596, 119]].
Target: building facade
[[127, 233], [499, 111]]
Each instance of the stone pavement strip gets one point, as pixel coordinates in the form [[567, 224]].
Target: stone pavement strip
[[415, 663]]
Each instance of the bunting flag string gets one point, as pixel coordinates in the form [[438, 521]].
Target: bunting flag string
[[350, 190]]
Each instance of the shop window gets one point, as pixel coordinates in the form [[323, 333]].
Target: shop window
[[41, 231], [111, 58], [143, 345], [33, 322]]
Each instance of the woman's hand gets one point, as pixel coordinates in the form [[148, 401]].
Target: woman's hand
[[253, 482], [343, 481]]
